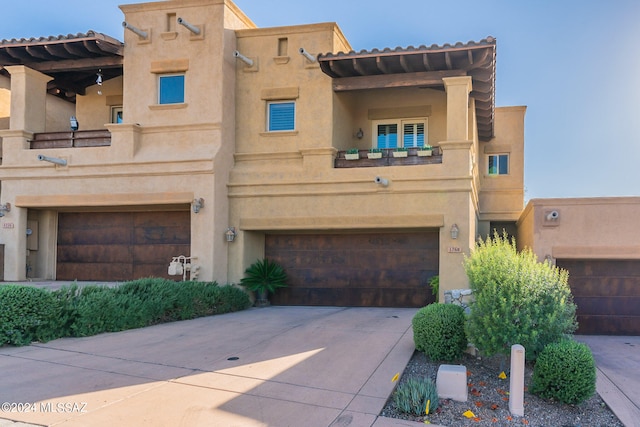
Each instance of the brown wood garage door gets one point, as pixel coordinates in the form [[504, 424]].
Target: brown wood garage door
[[117, 246], [356, 270], [607, 293]]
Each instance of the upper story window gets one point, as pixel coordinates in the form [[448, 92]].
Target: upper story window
[[400, 133], [498, 164], [281, 116], [171, 89], [116, 114]]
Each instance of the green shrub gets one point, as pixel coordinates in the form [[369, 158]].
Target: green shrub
[[435, 287], [565, 371], [264, 275], [27, 314], [438, 331], [411, 396], [517, 300]]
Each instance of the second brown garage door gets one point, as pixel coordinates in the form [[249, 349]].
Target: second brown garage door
[[607, 293], [119, 246], [356, 270]]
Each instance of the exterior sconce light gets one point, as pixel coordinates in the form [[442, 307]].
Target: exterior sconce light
[[454, 231], [360, 134], [243, 58], [195, 30], [73, 122], [197, 204], [138, 31], [307, 55], [230, 235], [4, 208]]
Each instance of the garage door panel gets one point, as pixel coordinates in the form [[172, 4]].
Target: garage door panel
[[95, 271], [623, 306], [95, 253], [609, 325], [375, 269], [146, 254], [87, 236], [605, 286], [607, 295]]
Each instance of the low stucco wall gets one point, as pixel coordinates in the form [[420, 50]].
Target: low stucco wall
[[582, 228]]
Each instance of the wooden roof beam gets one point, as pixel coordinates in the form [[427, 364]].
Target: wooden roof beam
[[381, 65], [420, 79], [77, 64]]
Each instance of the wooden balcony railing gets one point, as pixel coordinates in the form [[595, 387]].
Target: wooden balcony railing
[[81, 138], [388, 159]]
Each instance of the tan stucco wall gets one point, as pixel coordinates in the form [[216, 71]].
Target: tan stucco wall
[[502, 196], [586, 228], [5, 102], [94, 108]]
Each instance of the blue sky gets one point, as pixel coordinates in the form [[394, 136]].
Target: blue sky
[[575, 64]]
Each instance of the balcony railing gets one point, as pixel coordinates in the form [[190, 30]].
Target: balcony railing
[[81, 138], [388, 159]]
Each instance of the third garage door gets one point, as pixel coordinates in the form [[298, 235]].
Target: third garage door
[[356, 270], [607, 293]]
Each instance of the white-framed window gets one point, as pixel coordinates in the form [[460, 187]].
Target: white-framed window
[[171, 88], [281, 116], [396, 133], [116, 114], [498, 164]]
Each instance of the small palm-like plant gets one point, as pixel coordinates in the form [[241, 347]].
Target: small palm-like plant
[[264, 276]]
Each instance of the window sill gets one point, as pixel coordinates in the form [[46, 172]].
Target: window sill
[[280, 133], [176, 106]]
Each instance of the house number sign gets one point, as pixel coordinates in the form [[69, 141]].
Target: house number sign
[[7, 225], [454, 250]]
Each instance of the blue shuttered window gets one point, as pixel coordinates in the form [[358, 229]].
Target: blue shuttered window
[[171, 89], [282, 116], [387, 136], [400, 133], [413, 135]]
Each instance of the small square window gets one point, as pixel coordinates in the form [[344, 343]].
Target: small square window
[[171, 89], [499, 164], [116, 114], [281, 116]]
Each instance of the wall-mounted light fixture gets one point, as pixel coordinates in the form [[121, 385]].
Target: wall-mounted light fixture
[[5, 208], [307, 55], [195, 30], [230, 234], [359, 134], [243, 58], [197, 204], [138, 31], [73, 123], [99, 80], [454, 231], [54, 160]]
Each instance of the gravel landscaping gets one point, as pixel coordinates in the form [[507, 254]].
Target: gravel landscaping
[[489, 400]]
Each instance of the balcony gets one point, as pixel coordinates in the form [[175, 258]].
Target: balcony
[[388, 159], [82, 138]]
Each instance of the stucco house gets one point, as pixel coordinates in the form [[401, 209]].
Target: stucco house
[[204, 136]]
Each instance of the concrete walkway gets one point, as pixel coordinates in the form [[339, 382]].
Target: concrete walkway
[[618, 374], [277, 366]]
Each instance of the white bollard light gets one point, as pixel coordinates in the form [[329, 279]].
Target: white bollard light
[[516, 381]]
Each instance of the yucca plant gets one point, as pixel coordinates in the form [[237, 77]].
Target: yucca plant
[[264, 276]]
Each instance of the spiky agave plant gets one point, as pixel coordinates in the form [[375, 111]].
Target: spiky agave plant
[[264, 276]]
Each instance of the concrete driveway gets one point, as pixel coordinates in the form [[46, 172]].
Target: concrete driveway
[[276, 366]]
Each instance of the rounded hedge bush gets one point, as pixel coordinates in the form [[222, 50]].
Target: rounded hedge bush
[[565, 371], [439, 331]]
